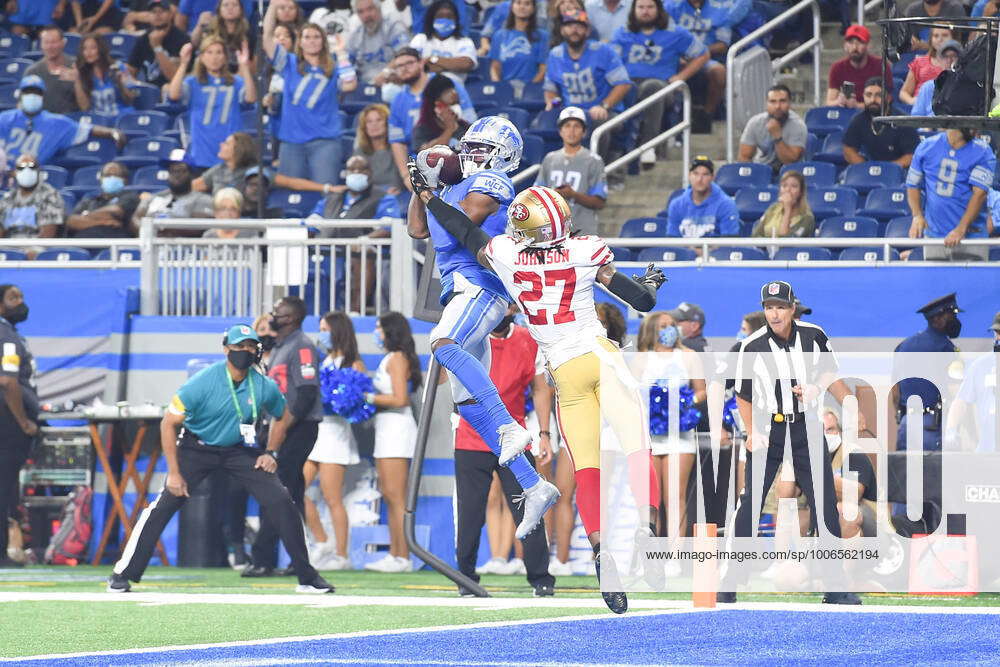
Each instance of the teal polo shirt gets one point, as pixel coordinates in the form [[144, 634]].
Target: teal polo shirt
[[206, 402]]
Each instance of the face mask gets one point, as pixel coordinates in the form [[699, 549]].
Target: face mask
[[241, 359], [444, 27], [379, 341], [740, 335], [833, 441], [268, 342], [26, 178], [456, 109], [357, 182], [31, 103], [18, 313], [112, 185], [953, 328], [324, 341], [503, 325], [668, 336]]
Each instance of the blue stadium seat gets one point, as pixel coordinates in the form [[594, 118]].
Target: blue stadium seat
[[737, 254], [867, 254], [644, 228], [12, 46], [290, 200], [848, 226], [146, 98], [803, 255], [821, 121], [832, 150], [898, 228], [69, 200], [884, 204], [64, 254], [80, 192], [994, 255], [120, 44], [519, 117], [13, 68], [482, 71], [916, 255], [828, 202], [622, 254], [57, 177], [500, 93], [813, 145], [822, 174], [123, 254], [91, 152], [545, 124], [73, 40], [152, 176], [532, 98], [752, 202], [147, 152], [7, 99], [901, 67], [736, 175], [867, 176], [92, 118], [150, 123], [87, 175], [666, 255], [534, 150], [360, 97], [11, 255]]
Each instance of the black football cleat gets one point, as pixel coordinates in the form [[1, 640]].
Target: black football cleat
[[617, 601]]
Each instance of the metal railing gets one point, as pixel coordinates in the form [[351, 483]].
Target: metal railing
[[114, 246], [815, 43], [864, 7]]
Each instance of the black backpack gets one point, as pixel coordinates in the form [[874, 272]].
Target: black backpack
[[963, 91]]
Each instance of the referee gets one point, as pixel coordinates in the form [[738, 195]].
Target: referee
[[772, 407], [218, 411]]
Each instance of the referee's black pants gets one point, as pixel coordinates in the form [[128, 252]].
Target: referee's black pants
[[196, 462], [299, 442], [14, 446], [473, 478]]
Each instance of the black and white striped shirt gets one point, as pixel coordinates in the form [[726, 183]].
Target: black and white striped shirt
[[783, 364]]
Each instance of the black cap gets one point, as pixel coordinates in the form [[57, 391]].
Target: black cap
[[153, 4], [777, 290], [801, 308], [702, 161], [941, 305]]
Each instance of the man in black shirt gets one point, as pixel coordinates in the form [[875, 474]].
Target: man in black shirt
[[780, 373], [108, 214], [155, 56], [890, 144]]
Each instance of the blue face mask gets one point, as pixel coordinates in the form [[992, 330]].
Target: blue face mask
[[379, 341], [112, 185], [740, 335], [324, 341], [668, 336], [444, 28]]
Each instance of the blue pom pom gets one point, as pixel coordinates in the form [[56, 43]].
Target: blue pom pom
[[343, 392], [659, 409], [729, 413]]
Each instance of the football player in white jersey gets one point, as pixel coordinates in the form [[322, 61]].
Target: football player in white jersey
[[551, 274]]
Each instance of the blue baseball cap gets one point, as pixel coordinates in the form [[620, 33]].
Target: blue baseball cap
[[32, 81], [239, 333]]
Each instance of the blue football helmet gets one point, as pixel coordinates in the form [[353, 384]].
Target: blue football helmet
[[491, 142]]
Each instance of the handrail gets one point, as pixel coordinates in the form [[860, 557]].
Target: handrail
[[864, 7], [815, 43]]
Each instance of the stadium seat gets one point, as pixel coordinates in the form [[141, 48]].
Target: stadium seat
[[92, 118], [482, 71], [814, 145], [533, 152], [150, 123], [13, 68], [666, 255], [532, 98], [644, 228], [69, 200], [80, 192], [500, 93], [832, 150], [848, 226], [360, 97], [302, 203], [821, 121], [57, 177], [7, 99], [12, 46], [916, 255], [752, 202], [11, 255], [87, 175], [803, 255], [884, 204], [120, 44], [146, 98], [519, 117], [995, 254], [151, 176], [737, 254], [91, 152], [828, 202], [898, 228], [622, 254], [901, 67], [73, 40], [822, 174], [147, 152], [736, 175], [123, 254], [867, 176], [867, 254], [545, 124], [64, 254]]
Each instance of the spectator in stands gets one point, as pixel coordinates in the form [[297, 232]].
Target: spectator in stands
[[690, 319], [213, 95], [57, 70], [855, 69], [442, 44], [777, 136], [30, 129], [98, 16], [109, 214], [309, 129], [496, 19], [189, 11], [100, 86], [137, 19], [708, 21], [607, 16], [519, 49], [790, 216], [179, 200], [373, 40], [933, 9], [440, 121], [575, 172], [288, 12], [925, 97], [887, 143], [653, 50], [577, 61], [419, 9], [284, 38], [25, 15], [32, 208], [229, 23], [985, 8], [703, 209], [372, 141], [334, 18], [228, 205], [156, 54], [954, 173], [926, 68], [255, 188]]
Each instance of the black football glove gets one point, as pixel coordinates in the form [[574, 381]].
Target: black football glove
[[653, 277], [417, 180]]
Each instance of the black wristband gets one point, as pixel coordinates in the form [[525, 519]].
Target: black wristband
[[273, 453]]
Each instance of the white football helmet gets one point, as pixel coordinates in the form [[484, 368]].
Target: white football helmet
[[490, 143]]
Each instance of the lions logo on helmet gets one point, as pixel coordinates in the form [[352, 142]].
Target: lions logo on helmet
[[540, 216], [490, 143]]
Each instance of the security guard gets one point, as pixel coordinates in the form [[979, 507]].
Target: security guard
[[786, 405], [942, 325], [218, 411], [18, 408]]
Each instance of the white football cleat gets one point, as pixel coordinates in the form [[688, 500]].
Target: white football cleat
[[537, 500], [514, 439]]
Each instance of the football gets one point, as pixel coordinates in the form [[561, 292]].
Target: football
[[451, 170]]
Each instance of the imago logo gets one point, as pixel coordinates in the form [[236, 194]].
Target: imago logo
[[982, 493]]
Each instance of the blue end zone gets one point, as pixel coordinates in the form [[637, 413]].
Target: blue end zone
[[723, 637]]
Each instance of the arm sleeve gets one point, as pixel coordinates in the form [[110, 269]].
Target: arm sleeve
[[915, 175], [640, 297], [982, 174], [305, 399], [457, 223]]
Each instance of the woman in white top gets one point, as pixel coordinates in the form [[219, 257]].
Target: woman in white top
[[442, 44], [398, 375], [679, 366], [335, 449]]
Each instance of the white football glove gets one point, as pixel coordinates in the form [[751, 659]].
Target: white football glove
[[431, 174]]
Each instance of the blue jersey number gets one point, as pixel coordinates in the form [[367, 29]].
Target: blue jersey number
[[300, 90], [641, 53], [947, 173], [214, 93], [580, 86]]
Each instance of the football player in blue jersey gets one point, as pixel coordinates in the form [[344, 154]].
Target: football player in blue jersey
[[474, 298], [30, 130], [953, 173]]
